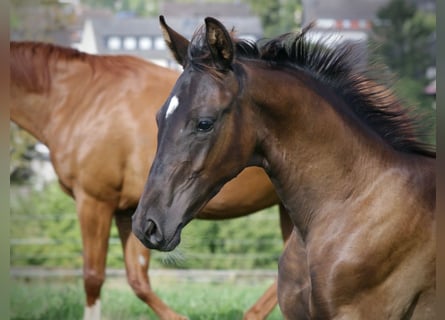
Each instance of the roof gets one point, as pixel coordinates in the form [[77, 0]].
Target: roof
[[340, 9], [171, 9], [185, 25], [143, 36], [341, 20]]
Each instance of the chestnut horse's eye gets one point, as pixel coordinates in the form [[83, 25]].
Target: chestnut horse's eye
[[205, 125]]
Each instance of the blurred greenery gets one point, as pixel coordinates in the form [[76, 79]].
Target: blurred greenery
[[404, 39], [277, 16], [44, 229], [49, 300], [405, 36], [45, 232], [251, 242], [20, 145], [411, 91]]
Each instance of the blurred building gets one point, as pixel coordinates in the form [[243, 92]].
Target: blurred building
[[341, 20], [348, 20], [126, 34]]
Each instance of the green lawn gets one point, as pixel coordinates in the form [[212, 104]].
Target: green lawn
[[55, 300]]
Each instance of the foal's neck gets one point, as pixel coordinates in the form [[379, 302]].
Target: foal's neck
[[313, 154]]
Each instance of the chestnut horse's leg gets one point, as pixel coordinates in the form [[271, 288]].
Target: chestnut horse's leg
[[95, 222], [267, 302], [137, 259]]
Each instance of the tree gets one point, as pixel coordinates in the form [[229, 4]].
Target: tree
[[405, 36], [277, 16]]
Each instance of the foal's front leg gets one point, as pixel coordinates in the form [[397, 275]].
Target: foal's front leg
[[294, 282], [267, 302]]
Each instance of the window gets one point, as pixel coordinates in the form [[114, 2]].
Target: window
[[114, 43], [145, 43], [160, 43], [130, 43]]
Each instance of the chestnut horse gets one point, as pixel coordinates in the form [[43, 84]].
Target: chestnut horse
[[343, 155], [97, 116]]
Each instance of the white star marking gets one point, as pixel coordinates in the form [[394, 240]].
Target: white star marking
[[174, 103]]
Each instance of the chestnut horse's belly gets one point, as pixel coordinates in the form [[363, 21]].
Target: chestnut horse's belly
[[250, 191]]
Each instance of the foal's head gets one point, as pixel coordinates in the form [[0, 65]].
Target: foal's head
[[200, 147]]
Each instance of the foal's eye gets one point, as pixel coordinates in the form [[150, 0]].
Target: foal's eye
[[205, 125]]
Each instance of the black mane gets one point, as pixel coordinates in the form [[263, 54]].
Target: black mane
[[339, 68]]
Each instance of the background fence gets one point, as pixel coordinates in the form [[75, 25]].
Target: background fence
[[45, 232], [54, 241]]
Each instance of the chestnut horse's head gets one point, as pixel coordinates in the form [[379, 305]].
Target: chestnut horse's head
[[200, 147]]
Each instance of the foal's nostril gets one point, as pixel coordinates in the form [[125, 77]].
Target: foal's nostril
[[152, 232], [150, 228]]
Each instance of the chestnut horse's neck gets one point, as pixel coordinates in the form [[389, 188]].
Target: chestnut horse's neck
[[53, 87], [23, 108], [39, 84], [316, 151]]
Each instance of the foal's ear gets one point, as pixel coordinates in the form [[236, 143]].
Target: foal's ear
[[220, 43], [178, 44]]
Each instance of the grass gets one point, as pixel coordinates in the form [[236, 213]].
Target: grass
[[51, 300]]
